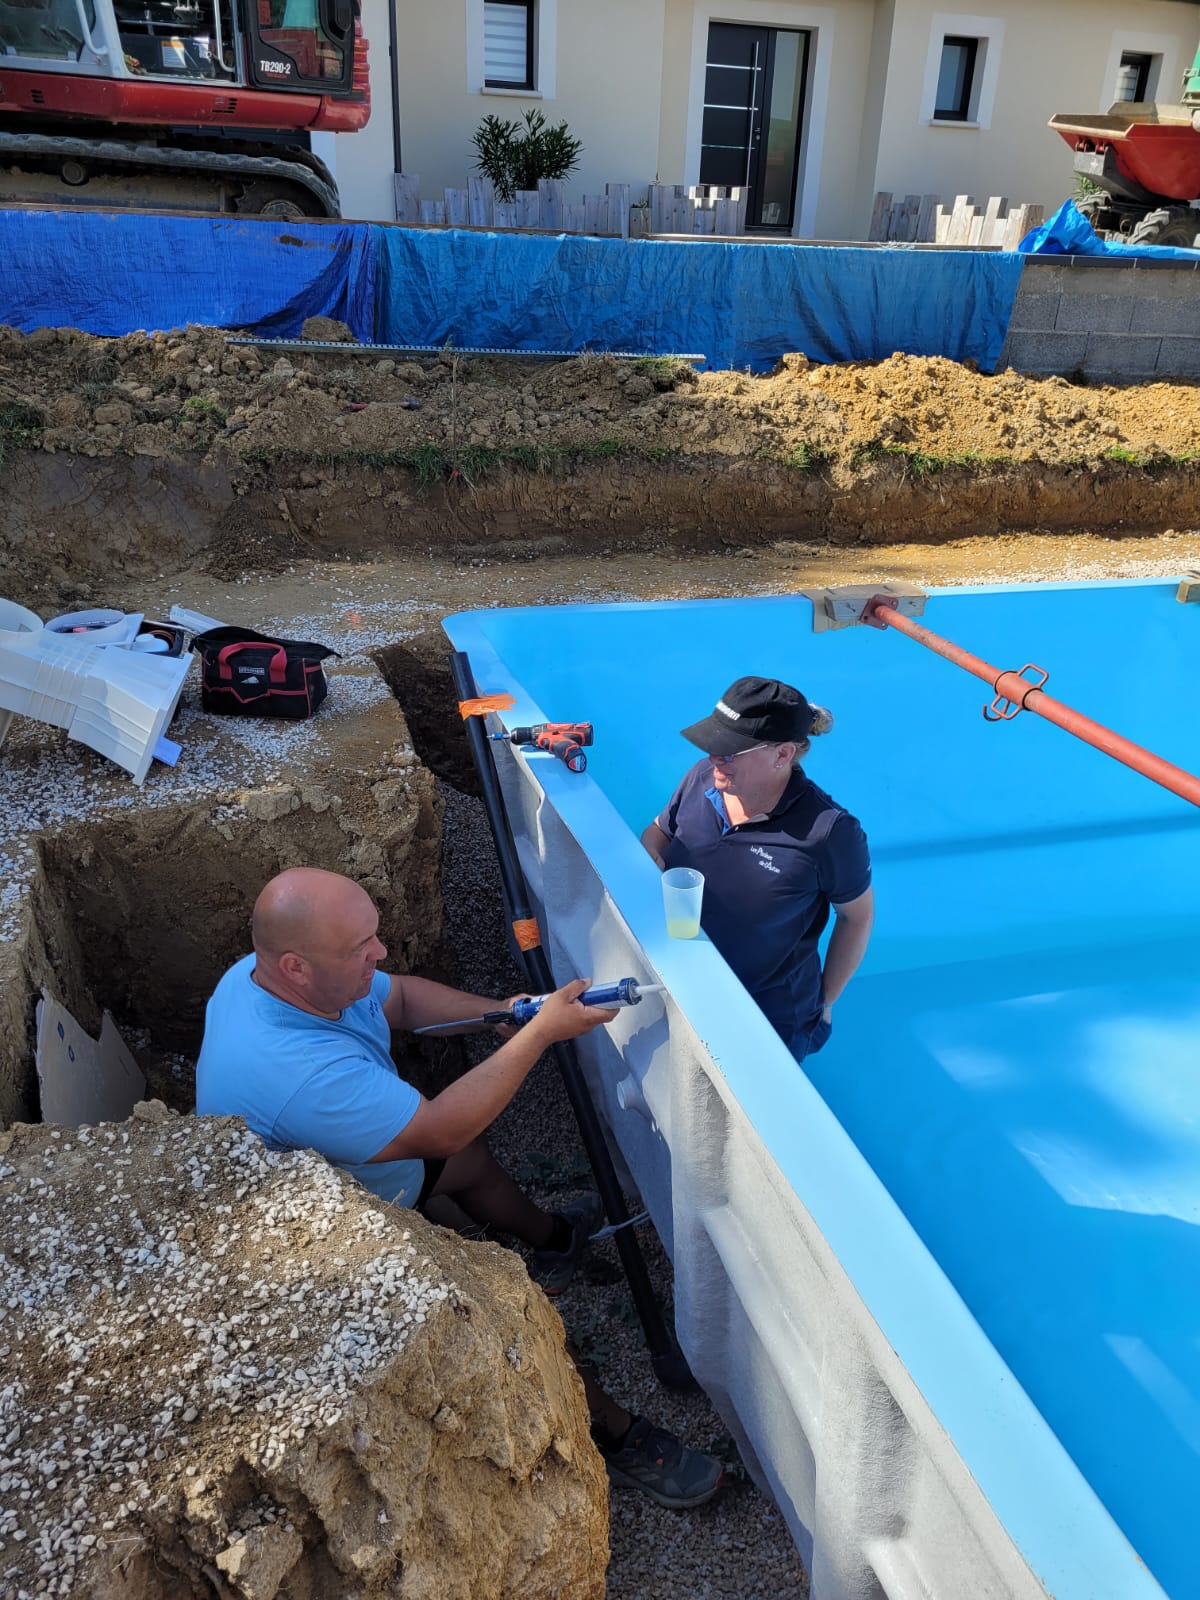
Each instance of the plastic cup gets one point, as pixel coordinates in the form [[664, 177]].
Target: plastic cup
[[683, 891]]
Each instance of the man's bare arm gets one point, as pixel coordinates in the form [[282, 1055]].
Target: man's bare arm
[[446, 1124], [416, 1002]]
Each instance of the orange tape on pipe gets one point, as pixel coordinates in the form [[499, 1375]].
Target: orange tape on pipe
[[1135, 756]]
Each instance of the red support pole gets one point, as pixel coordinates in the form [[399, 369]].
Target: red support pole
[[1013, 687]]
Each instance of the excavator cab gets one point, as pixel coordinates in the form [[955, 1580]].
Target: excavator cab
[[302, 44], [203, 105], [298, 45]]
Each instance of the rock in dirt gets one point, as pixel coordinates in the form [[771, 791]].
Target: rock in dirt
[[226, 1370]]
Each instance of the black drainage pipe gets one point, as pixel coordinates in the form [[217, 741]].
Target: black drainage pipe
[[665, 1355]]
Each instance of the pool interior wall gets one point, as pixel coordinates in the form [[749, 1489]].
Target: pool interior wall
[[1016, 1059]]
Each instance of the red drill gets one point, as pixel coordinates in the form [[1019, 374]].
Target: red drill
[[562, 739]]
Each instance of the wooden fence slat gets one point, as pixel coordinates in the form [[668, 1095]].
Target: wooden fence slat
[[927, 219], [595, 213], [504, 214], [458, 208], [433, 211], [662, 201], [1020, 220], [619, 201], [997, 208], [725, 217], [706, 219], [481, 199], [682, 216], [550, 204], [881, 213], [909, 209], [741, 199], [529, 208], [574, 218], [960, 219], [408, 197]]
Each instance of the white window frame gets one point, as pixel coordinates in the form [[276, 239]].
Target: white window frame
[[988, 32], [545, 54], [1166, 68]]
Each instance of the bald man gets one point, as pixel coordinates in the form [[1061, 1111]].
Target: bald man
[[297, 1042]]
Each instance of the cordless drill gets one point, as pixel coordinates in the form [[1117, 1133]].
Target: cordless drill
[[562, 739]]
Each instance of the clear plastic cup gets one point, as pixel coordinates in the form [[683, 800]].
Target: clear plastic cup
[[683, 891]]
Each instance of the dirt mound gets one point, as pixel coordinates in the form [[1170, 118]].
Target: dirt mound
[[240, 1374], [136, 456], [192, 392]]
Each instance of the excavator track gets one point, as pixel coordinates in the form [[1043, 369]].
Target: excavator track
[[115, 174]]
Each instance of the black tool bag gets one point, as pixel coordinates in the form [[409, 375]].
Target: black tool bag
[[248, 674]]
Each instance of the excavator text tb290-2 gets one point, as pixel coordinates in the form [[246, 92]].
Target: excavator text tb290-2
[[192, 105], [1143, 158]]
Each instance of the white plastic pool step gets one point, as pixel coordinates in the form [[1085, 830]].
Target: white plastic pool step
[[115, 699]]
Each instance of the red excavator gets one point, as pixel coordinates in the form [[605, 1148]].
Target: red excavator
[[188, 105], [1141, 160]]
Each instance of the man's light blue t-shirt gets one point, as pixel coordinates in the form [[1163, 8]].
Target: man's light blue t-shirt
[[309, 1083]]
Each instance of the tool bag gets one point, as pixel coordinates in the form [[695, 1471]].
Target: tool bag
[[248, 674]]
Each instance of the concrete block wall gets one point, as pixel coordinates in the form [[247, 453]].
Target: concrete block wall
[[1119, 321]]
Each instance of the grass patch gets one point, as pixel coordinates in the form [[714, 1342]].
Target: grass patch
[[208, 413], [920, 463], [433, 463], [657, 366], [20, 425], [805, 457], [96, 390]]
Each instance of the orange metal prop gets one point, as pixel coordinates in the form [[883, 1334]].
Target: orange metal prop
[[1012, 687]]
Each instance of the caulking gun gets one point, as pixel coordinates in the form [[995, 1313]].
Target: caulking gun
[[625, 992]]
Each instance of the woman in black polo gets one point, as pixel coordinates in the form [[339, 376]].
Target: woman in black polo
[[776, 853]]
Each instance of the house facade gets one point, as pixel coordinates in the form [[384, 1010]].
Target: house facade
[[812, 107]]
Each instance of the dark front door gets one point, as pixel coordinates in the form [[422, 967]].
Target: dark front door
[[753, 116]]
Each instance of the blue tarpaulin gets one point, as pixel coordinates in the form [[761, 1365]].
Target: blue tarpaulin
[[112, 273], [1069, 233], [739, 305]]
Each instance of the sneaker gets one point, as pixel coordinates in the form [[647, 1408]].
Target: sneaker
[[554, 1269], [657, 1463]]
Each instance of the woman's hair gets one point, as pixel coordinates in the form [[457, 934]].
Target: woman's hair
[[822, 721]]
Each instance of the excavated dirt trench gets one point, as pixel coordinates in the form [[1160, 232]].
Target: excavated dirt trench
[[121, 460]]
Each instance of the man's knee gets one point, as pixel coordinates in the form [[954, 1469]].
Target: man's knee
[[471, 1165]]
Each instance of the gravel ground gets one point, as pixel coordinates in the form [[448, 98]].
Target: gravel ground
[[737, 1547]]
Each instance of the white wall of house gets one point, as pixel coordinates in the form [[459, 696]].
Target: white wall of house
[[1038, 58], [362, 162], [598, 68], [628, 78]]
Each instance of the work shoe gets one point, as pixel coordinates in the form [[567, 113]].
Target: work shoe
[[554, 1269], [657, 1463]]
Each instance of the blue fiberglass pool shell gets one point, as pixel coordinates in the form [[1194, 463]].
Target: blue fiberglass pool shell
[[1016, 1062]]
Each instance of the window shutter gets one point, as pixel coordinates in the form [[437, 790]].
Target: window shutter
[[506, 43]]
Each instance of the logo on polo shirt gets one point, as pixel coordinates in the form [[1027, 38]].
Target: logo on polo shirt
[[728, 711], [765, 859]]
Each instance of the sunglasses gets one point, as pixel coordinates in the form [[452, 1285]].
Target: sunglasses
[[727, 760]]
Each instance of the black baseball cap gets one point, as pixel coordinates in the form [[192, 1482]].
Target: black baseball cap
[[753, 711]]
